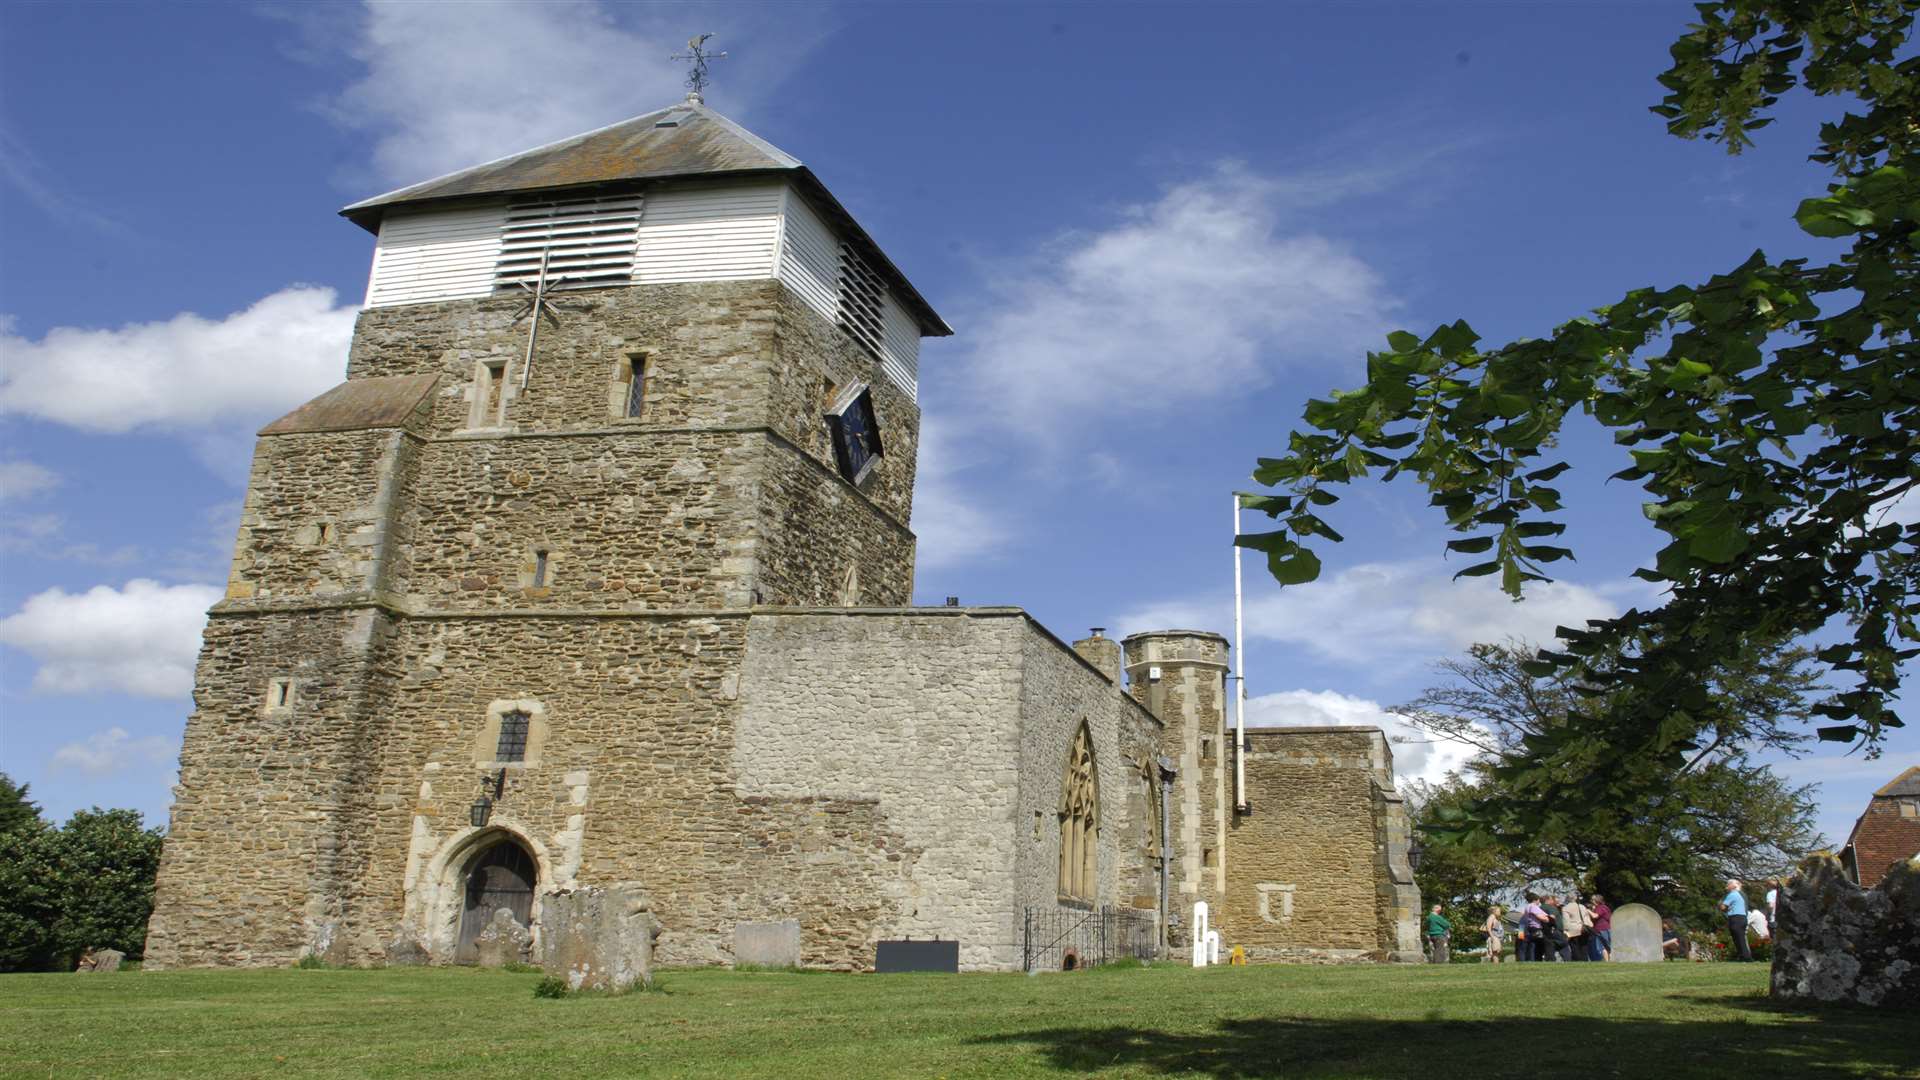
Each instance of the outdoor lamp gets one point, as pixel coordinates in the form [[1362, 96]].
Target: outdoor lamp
[[477, 813], [1414, 852]]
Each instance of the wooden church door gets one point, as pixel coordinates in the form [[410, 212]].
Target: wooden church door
[[502, 877]]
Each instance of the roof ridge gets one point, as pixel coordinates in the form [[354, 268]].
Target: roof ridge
[[1892, 786]]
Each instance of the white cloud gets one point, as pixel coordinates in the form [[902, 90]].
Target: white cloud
[[452, 85], [1416, 607], [142, 639], [1207, 290], [186, 372], [1412, 612], [24, 479], [114, 751], [1417, 755], [951, 526]]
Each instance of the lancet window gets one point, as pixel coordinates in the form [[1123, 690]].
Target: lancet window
[[1079, 820]]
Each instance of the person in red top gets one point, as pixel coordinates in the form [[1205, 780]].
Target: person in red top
[[1601, 940]]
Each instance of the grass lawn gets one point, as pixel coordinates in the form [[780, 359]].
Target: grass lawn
[[1533, 1021]]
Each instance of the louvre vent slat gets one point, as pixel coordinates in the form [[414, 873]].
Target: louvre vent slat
[[583, 241]]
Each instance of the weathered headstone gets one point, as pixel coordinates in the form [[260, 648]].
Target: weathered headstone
[[407, 952], [503, 941], [1834, 941], [1636, 934], [598, 938], [767, 944], [100, 960]]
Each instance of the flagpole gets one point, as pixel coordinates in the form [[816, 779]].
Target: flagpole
[[1240, 668]]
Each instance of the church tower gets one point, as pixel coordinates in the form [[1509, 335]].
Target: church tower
[[606, 398]]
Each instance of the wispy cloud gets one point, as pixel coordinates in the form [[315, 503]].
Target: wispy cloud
[[26, 173], [951, 526], [1414, 611], [114, 751], [1417, 755], [188, 372], [141, 639], [1211, 288], [444, 86], [24, 479]]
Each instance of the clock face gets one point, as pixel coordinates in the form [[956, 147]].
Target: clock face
[[856, 433]]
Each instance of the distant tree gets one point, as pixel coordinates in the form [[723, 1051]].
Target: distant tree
[[107, 861], [16, 810], [85, 885], [1771, 413], [1719, 815]]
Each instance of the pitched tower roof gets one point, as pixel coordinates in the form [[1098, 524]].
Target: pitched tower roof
[[683, 141]]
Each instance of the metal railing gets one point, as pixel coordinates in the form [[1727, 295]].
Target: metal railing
[[1061, 939]]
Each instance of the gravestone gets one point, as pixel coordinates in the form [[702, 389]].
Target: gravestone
[[1636, 935], [598, 937], [1837, 942], [503, 941], [767, 944], [101, 960]]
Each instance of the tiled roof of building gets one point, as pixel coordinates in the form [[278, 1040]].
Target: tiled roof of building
[[381, 402], [1907, 783], [1887, 834], [683, 141]]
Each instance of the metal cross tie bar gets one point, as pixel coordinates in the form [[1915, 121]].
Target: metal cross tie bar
[[537, 305], [697, 78]]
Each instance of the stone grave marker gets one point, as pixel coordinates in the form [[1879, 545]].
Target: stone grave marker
[[1636, 934], [599, 937], [767, 944]]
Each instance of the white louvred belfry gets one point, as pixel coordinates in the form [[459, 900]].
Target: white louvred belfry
[[862, 296], [681, 194], [589, 240]]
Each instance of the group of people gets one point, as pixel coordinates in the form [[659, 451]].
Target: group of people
[[1552, 927], [1549, 928]]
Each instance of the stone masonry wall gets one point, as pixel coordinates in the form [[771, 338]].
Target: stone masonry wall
[[313, 521], [917, 712], [268, 814], [1307, 859], [1060, 690], [1190, 698]]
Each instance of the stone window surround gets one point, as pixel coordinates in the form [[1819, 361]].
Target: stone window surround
[[620, 385], [282, 695], [486, 743], [1079, 820], [477, 394]]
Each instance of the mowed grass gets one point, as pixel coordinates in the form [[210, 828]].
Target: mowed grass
[[1534, 1021]]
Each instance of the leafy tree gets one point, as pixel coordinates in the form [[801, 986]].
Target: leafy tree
[[16, 810], [86, 885], [1770, 413], [107, 861], [1718, 816]]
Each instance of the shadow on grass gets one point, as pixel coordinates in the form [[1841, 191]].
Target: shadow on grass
[[1826, 1043]]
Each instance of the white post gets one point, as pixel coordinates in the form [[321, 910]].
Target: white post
[[1200, 933], [1240, 680], [1213, 946]]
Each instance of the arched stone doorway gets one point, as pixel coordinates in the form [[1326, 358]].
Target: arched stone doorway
[[501, 875]]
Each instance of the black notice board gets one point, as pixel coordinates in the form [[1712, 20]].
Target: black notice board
[[893, 956]]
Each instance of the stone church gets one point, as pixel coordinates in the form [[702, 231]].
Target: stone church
[[598, 568]]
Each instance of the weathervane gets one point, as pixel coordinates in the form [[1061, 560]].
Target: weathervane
[[697, 77]]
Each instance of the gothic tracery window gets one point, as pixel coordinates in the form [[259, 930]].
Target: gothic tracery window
[[1079, 820]]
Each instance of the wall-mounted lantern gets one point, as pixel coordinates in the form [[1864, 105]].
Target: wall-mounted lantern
[[482, 808], [1415, 851]]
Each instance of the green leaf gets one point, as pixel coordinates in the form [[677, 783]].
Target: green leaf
[[1718, 543], [1472, 545], [1831, 217], [1298, 568], [1479, 569]]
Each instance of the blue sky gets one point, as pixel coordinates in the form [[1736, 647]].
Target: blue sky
[[1158, 229]]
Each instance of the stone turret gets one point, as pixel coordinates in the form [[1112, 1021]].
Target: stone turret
[[1180, 676]]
